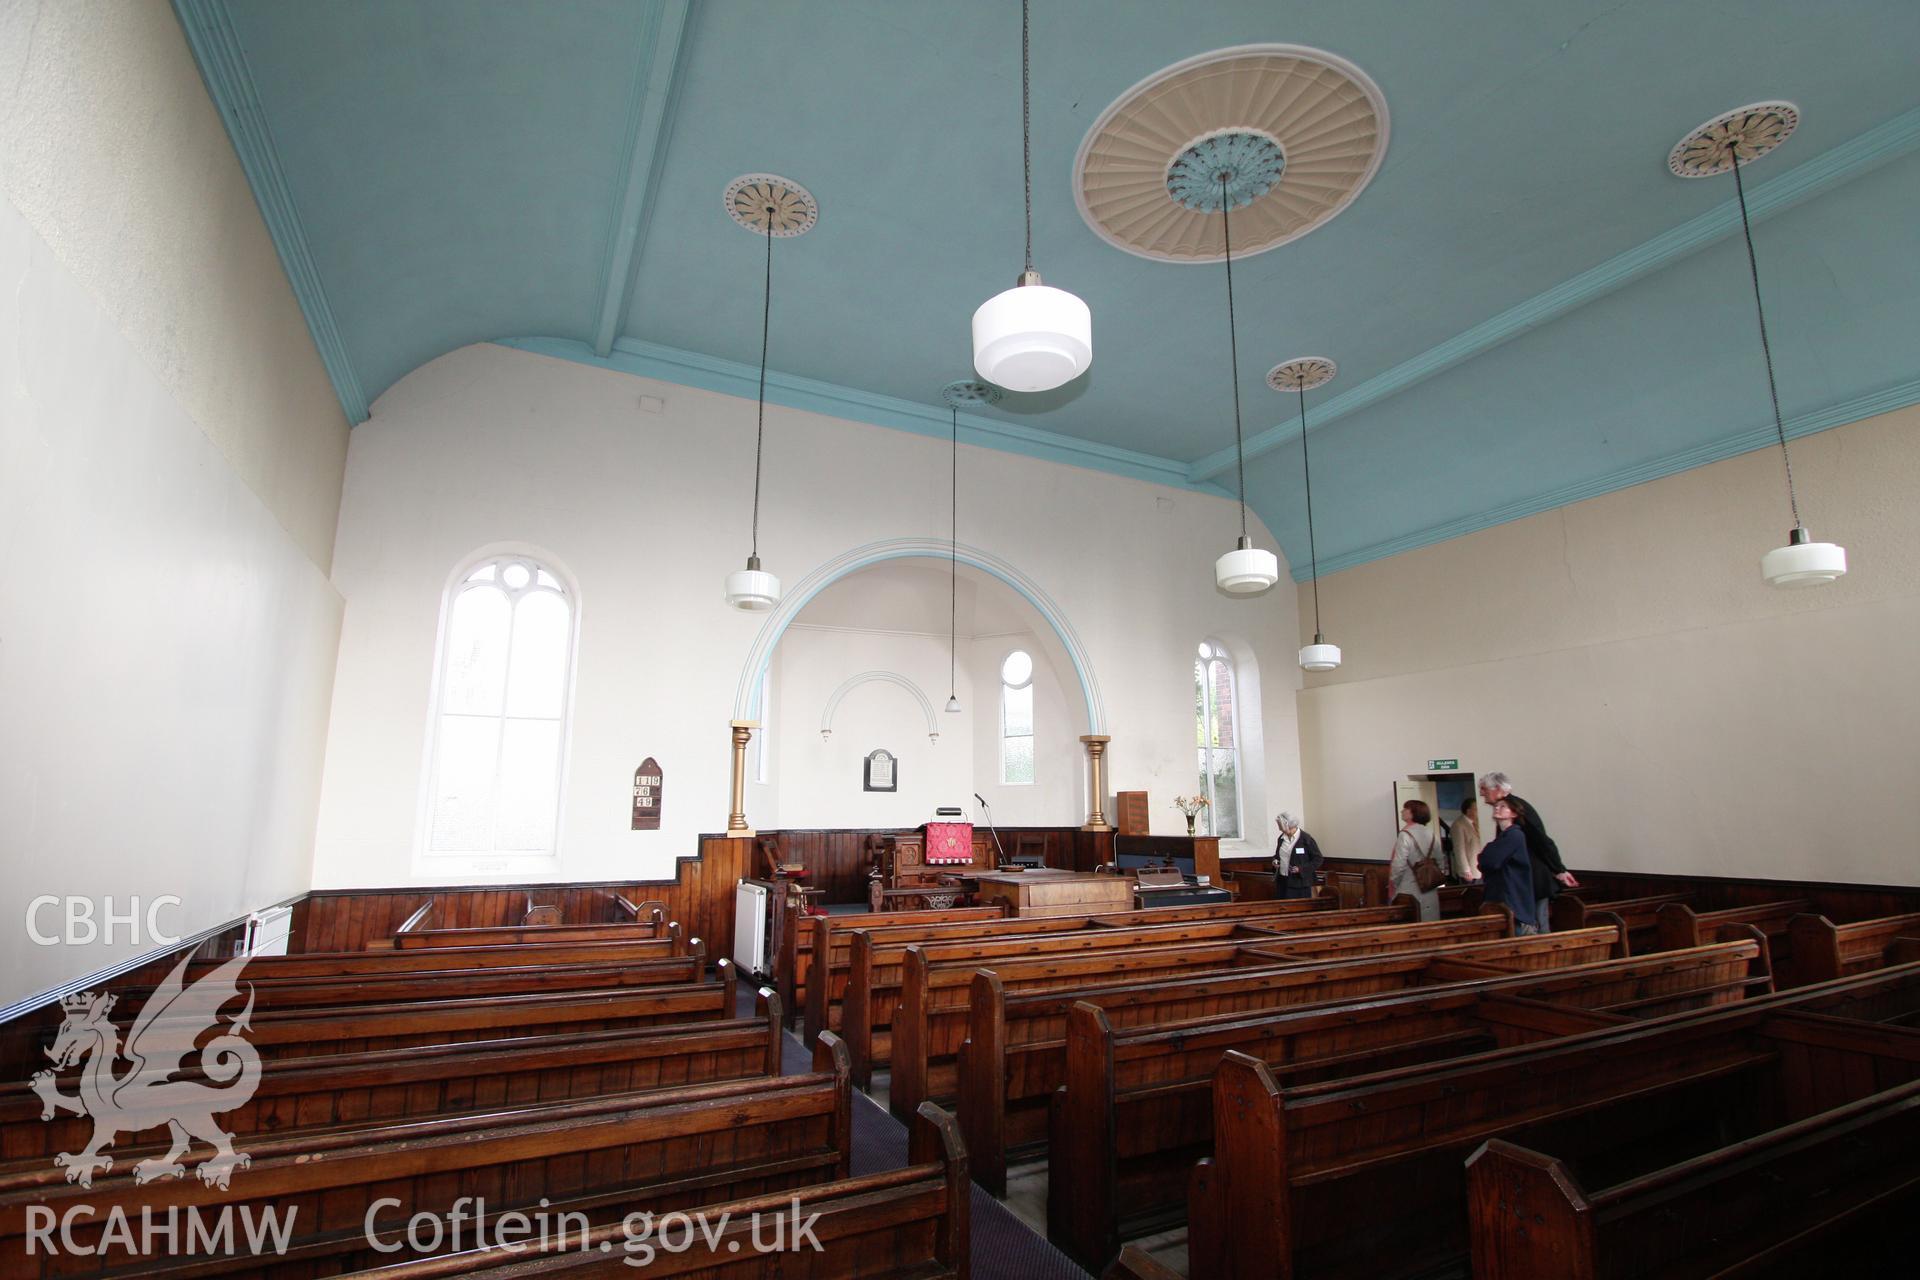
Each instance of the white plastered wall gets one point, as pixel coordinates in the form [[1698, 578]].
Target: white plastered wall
[[1623, 660], [647, 511], [170, 465]]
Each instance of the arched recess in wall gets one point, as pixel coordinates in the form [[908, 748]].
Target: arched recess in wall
[[746, 702], [851, 683]]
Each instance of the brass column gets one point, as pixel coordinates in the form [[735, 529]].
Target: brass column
[[737, 828], [1096, 753]]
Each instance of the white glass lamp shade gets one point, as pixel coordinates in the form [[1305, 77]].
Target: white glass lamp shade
[[953, 704], [1033, 337], [1803, 562], [752, 589], [1246, 570], [1319, 656]]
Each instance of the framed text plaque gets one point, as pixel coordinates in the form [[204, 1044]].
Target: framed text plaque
[[646, 796], [882, 772]]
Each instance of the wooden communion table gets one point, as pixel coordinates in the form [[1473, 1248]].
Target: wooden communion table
[[1045, 891]]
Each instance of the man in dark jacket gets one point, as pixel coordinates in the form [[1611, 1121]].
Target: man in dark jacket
[[1296, 860], [1541, 850]]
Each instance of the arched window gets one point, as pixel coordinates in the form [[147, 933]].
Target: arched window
[[1214, 706], [1016, 718], [501, 707]]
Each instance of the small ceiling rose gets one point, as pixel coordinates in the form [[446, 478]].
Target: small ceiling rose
[[965, 393], [1803, 562], [1302, 373], [755, 199], [1755, 129]]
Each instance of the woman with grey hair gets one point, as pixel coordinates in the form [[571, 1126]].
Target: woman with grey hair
[[1296, 860]]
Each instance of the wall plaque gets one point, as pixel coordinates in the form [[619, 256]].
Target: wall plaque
[[646, 796], [882, 772]]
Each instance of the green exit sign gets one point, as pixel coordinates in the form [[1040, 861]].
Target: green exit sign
[[1440, 766]]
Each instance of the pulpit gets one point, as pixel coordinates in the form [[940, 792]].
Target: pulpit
[[911, 870]]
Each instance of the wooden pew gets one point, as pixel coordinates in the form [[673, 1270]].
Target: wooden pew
[[1823, 950], [23, 1041], [1678, 925], [601, 1157], [294, 1033], [1251, 912], [1270, 1201], [825, 1004], [1135, 1263], [930, 1023], [1753, 1206], [1014, 1058], [904, 1224], [794, 965], [875, 968], [1890, 996], [1136, 1109], [1570, 911], [338, 963], [664, 937], [390, 1085]]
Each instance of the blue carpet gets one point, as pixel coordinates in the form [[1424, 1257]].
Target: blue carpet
[[1003, 1247]]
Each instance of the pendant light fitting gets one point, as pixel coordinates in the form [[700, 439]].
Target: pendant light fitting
[[1301, 375], [1247, 569], [769, 206], [1733, 140], [1032, 337]]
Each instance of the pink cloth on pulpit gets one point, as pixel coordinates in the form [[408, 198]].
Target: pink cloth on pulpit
[[949, 843]]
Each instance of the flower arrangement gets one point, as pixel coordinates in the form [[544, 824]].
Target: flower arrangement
[[1191, 807]]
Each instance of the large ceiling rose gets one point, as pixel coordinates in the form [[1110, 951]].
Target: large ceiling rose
[[1308, 128]]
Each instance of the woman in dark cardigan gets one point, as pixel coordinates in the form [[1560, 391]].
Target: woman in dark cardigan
[[1507, 869]]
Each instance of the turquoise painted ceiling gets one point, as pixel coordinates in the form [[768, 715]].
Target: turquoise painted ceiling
[[1525, 306]]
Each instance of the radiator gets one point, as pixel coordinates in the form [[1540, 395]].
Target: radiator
[[750, 928]]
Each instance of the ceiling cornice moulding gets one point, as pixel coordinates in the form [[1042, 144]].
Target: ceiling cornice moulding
[[223, 66], [1761, 436], [728, 377]]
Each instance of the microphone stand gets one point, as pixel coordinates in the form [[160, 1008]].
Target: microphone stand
[[998, 848]]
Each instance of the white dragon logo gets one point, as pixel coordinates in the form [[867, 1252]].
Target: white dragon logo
[[146, 1096]]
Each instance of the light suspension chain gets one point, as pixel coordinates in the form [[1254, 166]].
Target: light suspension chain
[[1766, 348], [1313, 553], [760, 428], [1026, 127], [953, 560], [1233, 348]]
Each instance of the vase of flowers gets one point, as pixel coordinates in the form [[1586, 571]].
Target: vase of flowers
[[1191, 807]]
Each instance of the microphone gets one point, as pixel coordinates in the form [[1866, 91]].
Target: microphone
[[982, 799]]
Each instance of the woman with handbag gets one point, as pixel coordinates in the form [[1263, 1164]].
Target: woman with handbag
[[1414, 869]]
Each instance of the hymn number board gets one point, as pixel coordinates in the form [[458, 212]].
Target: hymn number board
[[646, 796]]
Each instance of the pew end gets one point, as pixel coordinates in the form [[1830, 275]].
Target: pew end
[[983, 1084], [1527, 1216], [934, 1138], [830, 1057], [1250, 1218], [1623, 948], [768, 1005], [1676, 926]]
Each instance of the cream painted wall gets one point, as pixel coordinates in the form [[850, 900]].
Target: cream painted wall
[[647, 512], [1624, 661], [169, 468], [114, 154], [817, 783]]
